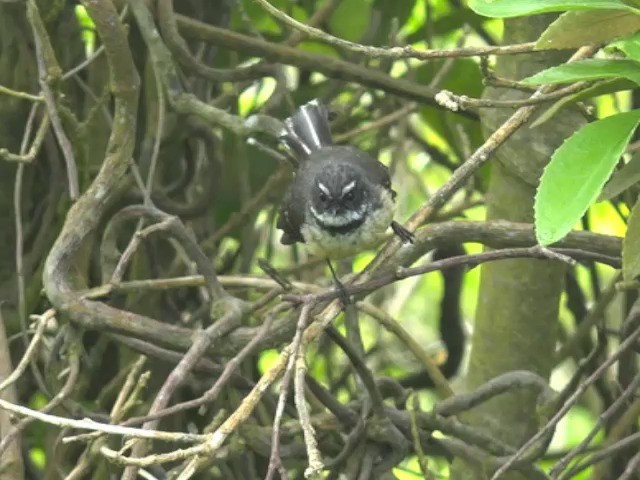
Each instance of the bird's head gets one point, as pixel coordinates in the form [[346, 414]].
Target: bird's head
[[340, 197]]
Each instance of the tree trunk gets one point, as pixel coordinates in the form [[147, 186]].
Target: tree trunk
[[515, 325]]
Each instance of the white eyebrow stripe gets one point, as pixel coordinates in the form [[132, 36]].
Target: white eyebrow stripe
[[324, 189], [348, 187]]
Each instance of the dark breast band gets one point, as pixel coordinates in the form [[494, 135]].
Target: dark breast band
[[343, 229]]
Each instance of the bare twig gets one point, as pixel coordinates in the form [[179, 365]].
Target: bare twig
[[393, 52], [473, 163], [17, 94], [88, 424], [275, 463], [11, 463], [457, 261], [455, 102], [50, 72], [628, 343], [315, 465], [413, 406], [26, 359], [210, 395]]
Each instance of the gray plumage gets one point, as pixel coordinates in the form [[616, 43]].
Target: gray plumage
[[338, 192]]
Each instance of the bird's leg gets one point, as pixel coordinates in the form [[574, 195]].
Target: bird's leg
[[344, 296], [405, 235]]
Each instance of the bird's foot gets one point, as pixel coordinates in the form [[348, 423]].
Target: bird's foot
[[405, 235]]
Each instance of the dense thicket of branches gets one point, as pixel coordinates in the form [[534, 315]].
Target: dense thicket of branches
[[154, 326]]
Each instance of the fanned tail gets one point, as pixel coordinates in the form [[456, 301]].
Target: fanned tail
[[307, 130]]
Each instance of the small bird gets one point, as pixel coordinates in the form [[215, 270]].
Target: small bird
[[340, 201]]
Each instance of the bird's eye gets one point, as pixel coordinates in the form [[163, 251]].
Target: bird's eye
[[349, 196], [322, 197]]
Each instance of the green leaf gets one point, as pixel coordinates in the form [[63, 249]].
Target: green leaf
[[598, 89], [351, 19], [588, 27], [630, 46], [631, 245], [464, 78], [518, 8], [388, 13], [585, 70], [622, 179], [576, 173]]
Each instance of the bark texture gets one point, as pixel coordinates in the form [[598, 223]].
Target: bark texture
[[517, 311]]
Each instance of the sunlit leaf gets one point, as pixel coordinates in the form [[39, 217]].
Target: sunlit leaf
[[88, 29], [255, 96], [588, 27], [630, 46], [585, 70], [268, 359], [38, 457], [416, 20], [517, 8], [576, 173], [631, 245]]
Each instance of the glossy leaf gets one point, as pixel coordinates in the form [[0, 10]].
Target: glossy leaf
[[518, 8], [588, 27], [576, 173], [631, 245], [587, 70]]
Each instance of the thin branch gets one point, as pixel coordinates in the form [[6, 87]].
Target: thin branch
[[18, 94], [462, 174], [50, 72], [330, 66], [88, 424], [550, 425], [393, 52], [210, 395], [391, 324], [603, 419], [42, 322], [275, 463], [315, 465], [413, 407], [28, 157], [470, 261], [456, 102], [11, 463]]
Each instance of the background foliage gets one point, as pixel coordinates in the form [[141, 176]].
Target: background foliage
[[144, 285]]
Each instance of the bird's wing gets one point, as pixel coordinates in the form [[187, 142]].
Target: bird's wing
[[290, 218]]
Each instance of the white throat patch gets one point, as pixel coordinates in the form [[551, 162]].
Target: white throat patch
[[346, 218], [320, 242]]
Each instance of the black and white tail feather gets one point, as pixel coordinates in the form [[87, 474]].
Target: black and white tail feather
[[307, 130]]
